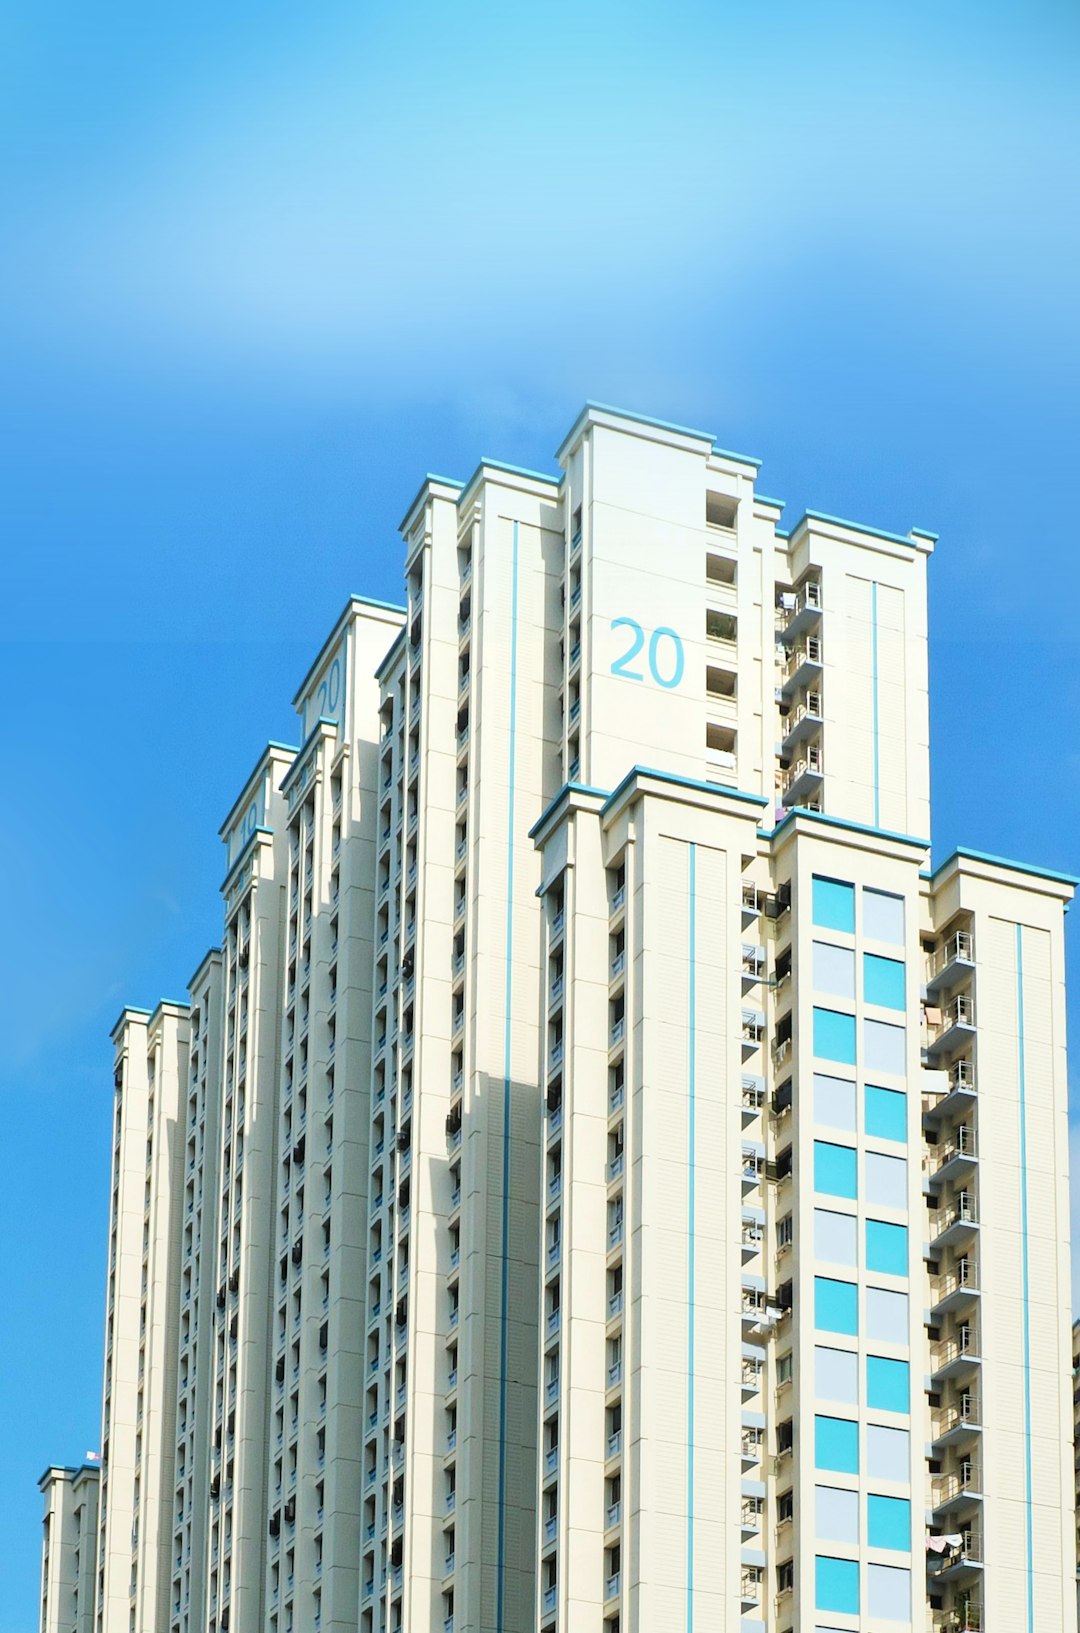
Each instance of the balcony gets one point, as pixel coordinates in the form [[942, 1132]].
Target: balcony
[[753, 901], [958, 1095], [805, 777], [803, 723], [953, 1357], [753, 962], [802, 667], [753, 1094], [953, 1158], [957, 1563], [753, 1029], [952, 1492], [955, 1221], [952, 963], [799, 612], [954, 1030], [957, 1422], [751, 1376], [955, 1290]]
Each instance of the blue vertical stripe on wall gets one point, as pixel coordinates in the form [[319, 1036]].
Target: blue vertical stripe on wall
[[874, 701], [1025, 1273], [500, 1567], [691, 1184]]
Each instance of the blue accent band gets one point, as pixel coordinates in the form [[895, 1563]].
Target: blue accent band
[[874, 701], [500, 1586], [691, 1198], [1024, 1275]]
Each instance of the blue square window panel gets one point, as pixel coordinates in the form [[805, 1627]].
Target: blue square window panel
[[834, 1036], [883, 981], [835, 1170], [887, 1248], [888, 1523], [834, 905], [888, 1384], [836, 1445], [836, 1306], [836, 1585], [886, 1113]]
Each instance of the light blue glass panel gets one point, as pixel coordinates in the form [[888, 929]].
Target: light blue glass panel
[[887, 1316], [834, 970], [883, 981], [836, 1306], [834, 1036], [834, 1102], [834, 1169], [836, 1445], [834, 905], [836, 1237], [836, 1585], [888, 1384], [886, 1248], [836, 1375], [883, 917], [886, 1113], [888, 1453], [888, 1593], [836, 1515], [888, 1523], [886, 1179], [884, 1048]]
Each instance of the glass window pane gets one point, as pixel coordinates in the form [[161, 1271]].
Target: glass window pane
[[836, 1237], [885, 1047], [836, 1515], [834, 1169], [834, 970], [883, 981], [888, 1385], [886, 1248], [883, 917], [888, 1454], [834, 905], [836, 1445], [836, 1306], [834, 1037], [834, 1102], [887, 1316], [836, 1375], [888, 1593], [888, 1523], [886, 1113], [886, 1179], [836, 1585]]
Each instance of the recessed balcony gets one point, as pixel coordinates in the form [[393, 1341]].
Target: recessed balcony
[[954, 1492], [800, 611], [953, 1158], [802, 668], [803, 723], [952, 963], [954, 1222], [954, 1290], [805, 777], [957, 1422], [956, 1563], [954, 1027]]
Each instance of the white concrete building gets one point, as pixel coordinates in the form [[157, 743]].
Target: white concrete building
[[623, 1185], [69, 1548]]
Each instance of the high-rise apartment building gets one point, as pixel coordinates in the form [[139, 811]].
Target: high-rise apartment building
[[69, 1548], [614, 1181]]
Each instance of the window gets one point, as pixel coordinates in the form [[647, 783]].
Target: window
[[888, 1454], [834, 1037], [835, 1237], [785, 1576], [883, 981], [720, 510], [886, 1179], [785, 1231], [834, 1102], [888, 1523], [884, 1047], [888, 1592], [785, 1507], [834, 1169], [834, 969], [888, 1386], [887, 1316], [836, 1585], [886, 1113], [883, 917], [836, 1445], [836, 1306], [834, 905], [836, 1515], [836, 1375], [886, 1247], [783, 1369]]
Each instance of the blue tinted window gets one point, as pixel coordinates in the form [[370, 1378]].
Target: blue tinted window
[[886, 1113], [834, 905], [888, 1523], [834, 1169], [836, 1305], [836, 1445], [836, 1585], [888, 1386], [886, 1247], [834, 1036], [883, 981]]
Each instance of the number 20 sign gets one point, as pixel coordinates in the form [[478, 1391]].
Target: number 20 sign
[[666, 658]]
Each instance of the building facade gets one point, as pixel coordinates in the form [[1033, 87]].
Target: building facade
[[69, 1548], [613, 1181]]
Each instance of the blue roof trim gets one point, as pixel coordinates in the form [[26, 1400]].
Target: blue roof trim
[[740, 459], [856, 527], [516, 470], [843, 822], [925, 533], [777, 504], [659, 425], [260, 765], [380, 606], [567, 788], [962, 851], [683, 782]]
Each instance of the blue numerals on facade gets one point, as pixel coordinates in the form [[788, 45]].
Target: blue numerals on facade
[[329, 691], [666, 657]]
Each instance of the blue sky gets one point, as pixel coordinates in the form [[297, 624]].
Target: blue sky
[[265, 265]]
